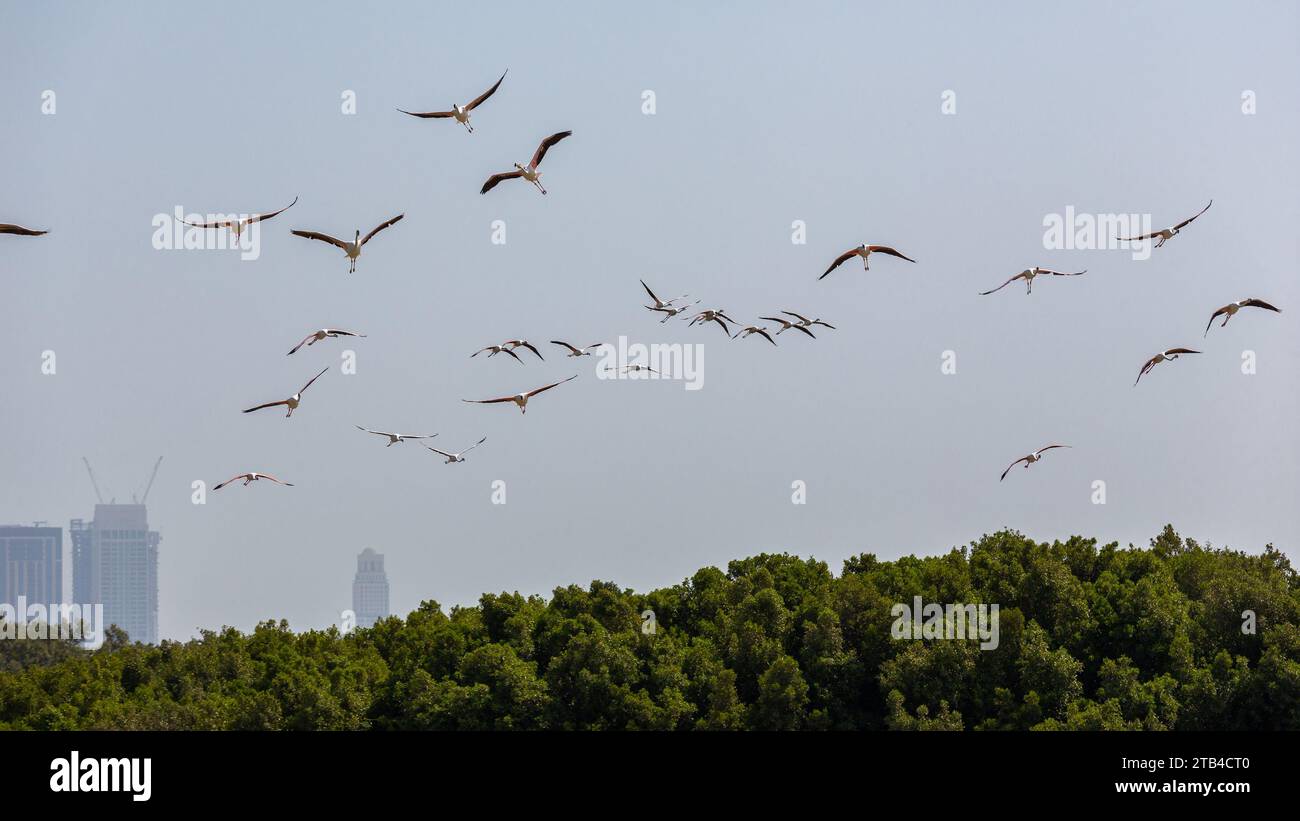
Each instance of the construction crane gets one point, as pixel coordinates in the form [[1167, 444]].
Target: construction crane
[[148, 486], [91, 471]]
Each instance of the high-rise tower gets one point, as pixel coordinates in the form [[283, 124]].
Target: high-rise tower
[[115, 563], [31, 564], [370, 589]]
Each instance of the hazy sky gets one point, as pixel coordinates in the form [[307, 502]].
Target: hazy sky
[[765, 114]]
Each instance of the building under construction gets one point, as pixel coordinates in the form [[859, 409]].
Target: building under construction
[[115, 563]]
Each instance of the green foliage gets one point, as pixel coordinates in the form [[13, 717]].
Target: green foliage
[[1089, 639]]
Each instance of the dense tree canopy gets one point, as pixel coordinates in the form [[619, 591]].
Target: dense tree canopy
[[1090, 638]]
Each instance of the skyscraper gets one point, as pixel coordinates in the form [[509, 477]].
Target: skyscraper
[[115, 562], [370, 589], [31, 564]]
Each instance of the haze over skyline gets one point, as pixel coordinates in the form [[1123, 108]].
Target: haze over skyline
[[826, 113]]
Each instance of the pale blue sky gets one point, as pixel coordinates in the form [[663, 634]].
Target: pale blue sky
[[766, 113]]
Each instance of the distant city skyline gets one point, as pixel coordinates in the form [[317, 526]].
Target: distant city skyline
[[112, 560]]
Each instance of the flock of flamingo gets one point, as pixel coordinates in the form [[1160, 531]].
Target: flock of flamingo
[[670, 308], [1161, 237]]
